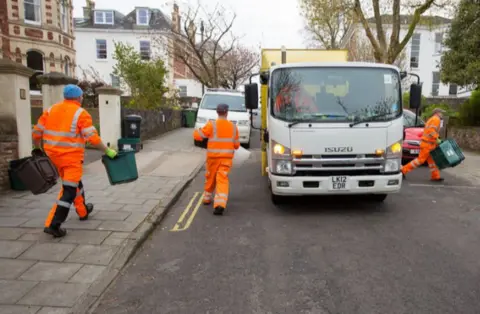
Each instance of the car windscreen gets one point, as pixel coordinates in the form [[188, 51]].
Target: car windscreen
[[234, 102]]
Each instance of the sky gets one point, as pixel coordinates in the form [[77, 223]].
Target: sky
[[265, 23]]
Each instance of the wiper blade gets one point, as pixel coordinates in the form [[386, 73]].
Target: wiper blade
[[368, 119], [297, 122]]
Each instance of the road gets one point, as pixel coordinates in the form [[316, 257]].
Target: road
[[415, 253]]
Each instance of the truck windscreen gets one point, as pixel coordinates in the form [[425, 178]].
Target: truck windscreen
[[323, 94], [235, 103]]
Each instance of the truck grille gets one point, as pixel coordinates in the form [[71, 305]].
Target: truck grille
[[327, 165]]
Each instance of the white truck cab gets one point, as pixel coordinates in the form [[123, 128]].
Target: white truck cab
[[237, 112], [332, 128]]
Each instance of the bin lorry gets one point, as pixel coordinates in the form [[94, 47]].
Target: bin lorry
[[329, 126]]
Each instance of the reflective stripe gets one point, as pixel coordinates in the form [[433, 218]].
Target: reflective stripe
[[37, 132], [216, 139], [90, 129], [220, 150], [221, 195], [80, 192], [40, 126], [201, 133], [76, 116], [63, 203], [63, 144], [70, 183], [61, 133], [428, 126]]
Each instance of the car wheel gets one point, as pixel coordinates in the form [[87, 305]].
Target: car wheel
[[378, 198]]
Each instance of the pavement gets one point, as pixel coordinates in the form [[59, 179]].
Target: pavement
[[415, 253], [39, 274]]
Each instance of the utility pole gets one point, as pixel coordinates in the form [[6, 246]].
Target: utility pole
[[202, 29]]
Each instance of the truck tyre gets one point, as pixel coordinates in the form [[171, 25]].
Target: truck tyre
[[378, 198], [277, 199], [247, 145]]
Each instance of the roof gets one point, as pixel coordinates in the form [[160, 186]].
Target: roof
[[336, 64], [158, 20], [407, 19]]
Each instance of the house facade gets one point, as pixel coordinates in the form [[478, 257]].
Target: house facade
[[146, 29], [422, 54], [38, 34]]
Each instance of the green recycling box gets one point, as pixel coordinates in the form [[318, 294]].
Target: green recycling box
[[447, 155], [122, 168]]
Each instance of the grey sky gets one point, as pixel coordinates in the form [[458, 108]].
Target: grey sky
[[269, 23]]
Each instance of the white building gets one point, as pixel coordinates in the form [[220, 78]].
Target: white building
[[423, 52], [145, 29]]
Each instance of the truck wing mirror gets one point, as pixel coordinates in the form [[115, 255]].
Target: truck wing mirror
[[251, 96], [415, 96]]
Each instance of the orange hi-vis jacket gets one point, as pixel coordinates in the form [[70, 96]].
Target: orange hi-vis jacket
[[431, 131], [222, 138], [65, 128], [300, 99]]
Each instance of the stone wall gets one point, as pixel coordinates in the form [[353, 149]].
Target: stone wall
[[453, 102], [157, 122], [468, 138], [8, 149]]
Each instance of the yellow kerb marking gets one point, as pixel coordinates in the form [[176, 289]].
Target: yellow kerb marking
[[185, 212]]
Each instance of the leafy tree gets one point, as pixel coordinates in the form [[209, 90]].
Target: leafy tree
[[461, 63], [146, 80]]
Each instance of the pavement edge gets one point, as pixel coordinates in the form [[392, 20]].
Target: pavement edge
[[88, 302]]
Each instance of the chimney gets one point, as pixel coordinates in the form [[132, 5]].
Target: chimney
[[192, 30], [88, 10], [175, 18]]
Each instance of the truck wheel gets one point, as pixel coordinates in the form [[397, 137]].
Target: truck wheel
[[277, 199], [378, 198], [247, 145]]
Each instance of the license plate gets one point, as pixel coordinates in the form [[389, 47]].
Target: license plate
[[414, 151], [339, 183]]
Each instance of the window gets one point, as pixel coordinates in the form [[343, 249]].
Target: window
[[235, 103], [145, 50], [63, 16], [101, 49], [183, 91], [115, 80], [435, 83], [143, 17], [67, 66], [415, 51], [33, 13], [453, 89], [409, 119], [104, 17], [35, 62], [438, 42]]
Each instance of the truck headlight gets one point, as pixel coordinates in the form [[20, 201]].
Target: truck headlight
[[394, 150], [283, 167], [392, 165], [281, 158], [201, 120], [243, 122]]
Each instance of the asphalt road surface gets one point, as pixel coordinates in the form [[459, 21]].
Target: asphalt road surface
[[415, 253]]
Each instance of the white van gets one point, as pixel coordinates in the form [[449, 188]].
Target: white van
[[237, 113]]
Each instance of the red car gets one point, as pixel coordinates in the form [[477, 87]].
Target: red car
[[413, 134]]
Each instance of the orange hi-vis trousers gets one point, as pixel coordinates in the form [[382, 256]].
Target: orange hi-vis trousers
[[71, 192], [425, 149], [216, 178]]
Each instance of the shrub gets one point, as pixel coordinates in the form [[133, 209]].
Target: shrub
[[406, 100], [427, 111], [469, 113]]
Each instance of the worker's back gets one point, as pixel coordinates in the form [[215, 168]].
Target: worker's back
[[221, 144], [61, 135]]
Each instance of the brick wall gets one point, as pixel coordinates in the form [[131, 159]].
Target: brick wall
[[153, 122], [8, 148], [468, 138]]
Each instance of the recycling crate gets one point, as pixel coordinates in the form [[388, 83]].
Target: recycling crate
[[447, 155], [122, 168], [15, 183]]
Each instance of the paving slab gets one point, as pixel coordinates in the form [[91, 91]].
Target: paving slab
[[11, 233], [12, 249], [12, 221], [54, 294], [19, 309], [13, 290], [48, 271], [92, 254], [118, 226], [87, 274], [111, 215], [13, 268], [54, 310], [85, 237], [55, 252]]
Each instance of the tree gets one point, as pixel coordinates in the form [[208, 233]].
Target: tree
[[327, 21], [202, 57], [384, 50], [461, 63], [146, 80], [237, 66]]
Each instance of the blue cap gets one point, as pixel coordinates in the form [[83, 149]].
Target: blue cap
[[72, 91]]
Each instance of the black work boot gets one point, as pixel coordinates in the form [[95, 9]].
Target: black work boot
[[218, 210], [56, 232], [89, 207]]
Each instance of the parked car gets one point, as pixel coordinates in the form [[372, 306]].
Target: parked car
[[413, 135]]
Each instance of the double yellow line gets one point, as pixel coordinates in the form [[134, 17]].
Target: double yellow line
[[178, 224]]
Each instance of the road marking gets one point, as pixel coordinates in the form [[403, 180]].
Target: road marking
[[178, 224], [444, 186]]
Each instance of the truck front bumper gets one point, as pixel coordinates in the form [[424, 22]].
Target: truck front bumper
[[378, 184]]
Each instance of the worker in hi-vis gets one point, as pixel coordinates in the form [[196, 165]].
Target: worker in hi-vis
[[65, 128], [223, 140]]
